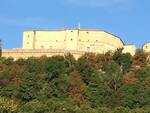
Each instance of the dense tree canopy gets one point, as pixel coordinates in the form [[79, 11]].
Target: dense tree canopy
[[95, 83]]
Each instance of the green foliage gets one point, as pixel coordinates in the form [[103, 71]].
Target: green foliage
[[55, 67], [7, 106], [6, 75], [124, 60], [34, 106], [97, 90], [29, 86], [61, 106], [33, 65], [135, 96], [113, 75], [8, 91], [20, 61], [143, 73], [86, 66], [8, 61], [95, 83]]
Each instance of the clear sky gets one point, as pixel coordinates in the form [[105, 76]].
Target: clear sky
[[128, 19]]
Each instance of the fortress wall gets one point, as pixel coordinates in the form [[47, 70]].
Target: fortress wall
[[72, 40], [112, 40], [100, 36], [80, 40], [50, 40], [129, 49], [28, 39], [25, 53], [146, 47], [98, 41], [97, 47], [77, 42]]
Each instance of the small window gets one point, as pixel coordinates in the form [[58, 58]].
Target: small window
[[42, 47], [27, 42], [71, 39], [79, 40], [146, 47], [64, 40], [88, 40], [56, 40], [28, 36], [96, 40], [71, 31], [87, 32]]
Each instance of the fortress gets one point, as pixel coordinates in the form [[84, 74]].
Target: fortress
[[75, 41]]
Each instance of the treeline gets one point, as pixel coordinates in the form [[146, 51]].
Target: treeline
[[95, 83]]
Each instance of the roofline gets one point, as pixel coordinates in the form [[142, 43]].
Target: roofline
[[68, 29], [115, 36], [130, 45], [82, 30]]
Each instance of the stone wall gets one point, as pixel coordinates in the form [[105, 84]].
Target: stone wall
[[146, 47], [25, 53], [78, 40], [129, 49]]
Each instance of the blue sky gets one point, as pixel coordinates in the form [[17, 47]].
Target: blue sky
[[128, 19]]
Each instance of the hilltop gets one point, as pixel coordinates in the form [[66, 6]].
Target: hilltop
[[95, 83]]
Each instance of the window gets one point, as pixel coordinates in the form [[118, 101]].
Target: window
[[28, 36], [71, 39], [146, 47], [96, 40], [87, 32], [71, 31], [56, 40], [42, 47], [27, 42]]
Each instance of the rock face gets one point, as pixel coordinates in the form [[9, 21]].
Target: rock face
[[75, 41]]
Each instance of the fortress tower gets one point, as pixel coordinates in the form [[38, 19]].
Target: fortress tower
[[146, 47]]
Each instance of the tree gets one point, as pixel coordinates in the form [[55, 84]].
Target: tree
[[55, 67], [34, 106], [76, 88], [5, 78], [33, 65], [70, 61], [133, 95], [114, 75], [86, 65], [97, 90], [123, 59], [29, 86], [61, 106], [140, 58], [7, 61], [7, 106], [143, 73], [20, 61]]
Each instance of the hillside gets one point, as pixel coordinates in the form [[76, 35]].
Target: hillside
[[95, 83]]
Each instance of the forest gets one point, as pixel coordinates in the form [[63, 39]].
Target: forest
[[94, 83]]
